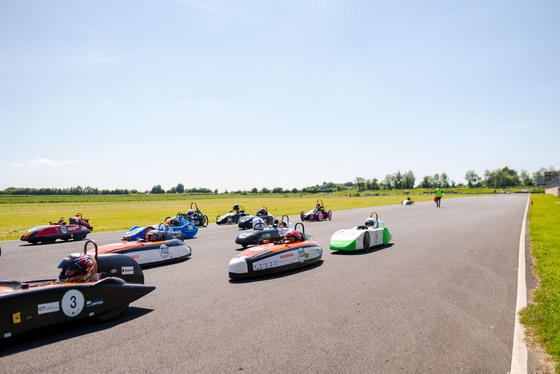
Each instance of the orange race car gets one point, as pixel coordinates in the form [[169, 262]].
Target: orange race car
[[296, 249]]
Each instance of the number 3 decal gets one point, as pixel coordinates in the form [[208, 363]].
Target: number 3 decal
[[72, 303]]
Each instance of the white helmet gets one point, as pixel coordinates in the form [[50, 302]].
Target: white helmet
[[258, 223], [371, 222], [191, 211]]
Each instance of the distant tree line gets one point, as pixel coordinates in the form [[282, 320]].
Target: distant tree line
[[498, 178]]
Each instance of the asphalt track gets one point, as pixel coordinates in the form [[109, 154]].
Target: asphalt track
[[440, 299]]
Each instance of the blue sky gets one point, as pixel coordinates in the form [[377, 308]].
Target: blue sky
[[241, 94]]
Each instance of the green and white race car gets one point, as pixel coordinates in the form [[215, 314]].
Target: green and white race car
[[372, 233]]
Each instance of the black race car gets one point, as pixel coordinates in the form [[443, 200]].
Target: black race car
[[232, 217], [246, 221], [115, 282], [261, 233], [195, 216]]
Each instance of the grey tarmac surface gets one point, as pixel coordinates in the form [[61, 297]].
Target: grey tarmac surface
[[440, 298]]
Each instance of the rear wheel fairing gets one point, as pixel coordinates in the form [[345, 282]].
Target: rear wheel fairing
[[151, 253]]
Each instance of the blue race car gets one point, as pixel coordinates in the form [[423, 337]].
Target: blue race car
[[175, 224]]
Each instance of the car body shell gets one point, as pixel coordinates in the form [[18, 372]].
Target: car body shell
[[197, 218], [274, 258], [150, 253], [254, 237], [360, 238], [26, 306], [230, 218], [246, 222], [316, 214], [186, 228], [45, 234]]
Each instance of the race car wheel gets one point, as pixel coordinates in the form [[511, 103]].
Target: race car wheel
[[244, 245], [330, 215], [78, 237], [320, 216], [204, 221], [302, 215], [47, 241], [366, 241], [146, 232]]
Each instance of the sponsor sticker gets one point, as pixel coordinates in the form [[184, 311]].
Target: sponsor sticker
[[48, 308], [72, 303], [164, 251], [301, 253], [127, 270], [286, 255], [16, 318], [64, 229], [7, 335], [91, 303]]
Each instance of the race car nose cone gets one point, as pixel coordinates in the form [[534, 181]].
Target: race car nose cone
[[238, 265]]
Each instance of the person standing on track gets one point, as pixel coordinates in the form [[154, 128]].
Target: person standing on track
[[438, 196]]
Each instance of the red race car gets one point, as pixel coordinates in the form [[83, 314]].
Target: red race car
[[77, 229]]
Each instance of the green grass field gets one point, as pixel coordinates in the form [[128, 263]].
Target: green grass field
[[542, 319], [111, 213]]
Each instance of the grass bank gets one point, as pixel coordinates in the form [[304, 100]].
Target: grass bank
[[112, 213], [542, 319]]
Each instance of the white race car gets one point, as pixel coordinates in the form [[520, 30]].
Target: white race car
[[372, 233]]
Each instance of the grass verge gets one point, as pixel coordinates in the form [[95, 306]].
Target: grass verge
[[122, 214], [542, 318]]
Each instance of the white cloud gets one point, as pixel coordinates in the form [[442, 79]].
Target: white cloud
[[50, 163]]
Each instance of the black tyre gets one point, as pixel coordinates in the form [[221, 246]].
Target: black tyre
[[366, 241], [204, 221], [78, 237]]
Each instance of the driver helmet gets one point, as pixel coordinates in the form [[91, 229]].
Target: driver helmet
[[261, 212], [74, 220], [258, 223], [174, 221], [190, 211], [371, 222], [236, 207], [154, 236], [293, 236], [77, 268]]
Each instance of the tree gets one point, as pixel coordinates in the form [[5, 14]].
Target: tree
[[360, 182], [255, 190], [408, 179], [265, 190], [505, 177], [157, 189], [180, 188], [472, 178], [526, 180]]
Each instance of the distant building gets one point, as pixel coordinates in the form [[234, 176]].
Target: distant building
[[552, 185]]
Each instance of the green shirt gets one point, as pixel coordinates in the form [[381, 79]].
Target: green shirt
[[438, 192]]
